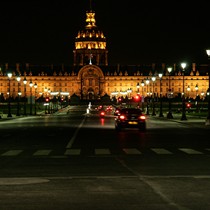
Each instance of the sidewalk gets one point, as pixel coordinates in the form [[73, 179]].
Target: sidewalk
[[191, 119], [38, 113], [13, 116]]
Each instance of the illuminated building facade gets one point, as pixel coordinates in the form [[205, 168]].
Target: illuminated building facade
[[90, 77]]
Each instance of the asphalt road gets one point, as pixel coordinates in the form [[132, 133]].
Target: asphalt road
[[75, 160]]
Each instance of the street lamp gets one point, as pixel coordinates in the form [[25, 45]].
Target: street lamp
[[31, 85], [137, 86], [18, 102], [188, 90], [208, 91], [183, 65], [202, 95], [24, 82], [153, 96], [142, 84], [161, 106], [35, 86], [129, 95], [169, 115], [9, 105], [147, 83], [196, 98], [129, 92], [142, 97]]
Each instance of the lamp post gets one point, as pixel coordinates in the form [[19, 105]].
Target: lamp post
[[202, 95], [153, 96], [129, 92], [183, 65], [196, 98], [208, 91], [138, 86], [31, 85], [18, 102], [129, 95], [142, 97], [142, 84], [35, 86], [147, 83], [24, 82], [9, 105], [161, 105], [169, 115], [188, 90], [50, 105]]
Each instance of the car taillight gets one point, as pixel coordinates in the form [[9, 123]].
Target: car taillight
[[102, 113], [122, 117], [117, 111], [142, 117], [188, 105]]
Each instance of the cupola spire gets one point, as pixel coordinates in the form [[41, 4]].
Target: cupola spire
[[90, 43]]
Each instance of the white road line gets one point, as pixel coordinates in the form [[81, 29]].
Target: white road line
[[42, 152], [12, 153], [131, 151], [190, 151], [72, 152], [102, 152], [161, 151], [70, 143], [22, 181]]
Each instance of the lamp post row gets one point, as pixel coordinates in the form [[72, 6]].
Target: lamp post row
[[169, 115], [208, 91], [19, 94]]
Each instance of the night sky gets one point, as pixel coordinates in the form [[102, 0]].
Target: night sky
[[137, 32]]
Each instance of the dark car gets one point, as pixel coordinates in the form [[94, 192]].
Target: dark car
[[130, 118]]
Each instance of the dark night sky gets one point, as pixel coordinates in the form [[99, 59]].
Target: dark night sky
[[136, 32]]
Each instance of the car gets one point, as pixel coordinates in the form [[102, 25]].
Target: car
[[130, 118]]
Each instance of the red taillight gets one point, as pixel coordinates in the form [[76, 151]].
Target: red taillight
[[102, 113], [188, 105], [122, 117], [142, 117]]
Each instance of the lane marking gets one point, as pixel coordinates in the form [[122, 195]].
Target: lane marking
[[161, 151], [21, 181], [72, 152], [12, 153], [132, 151], [70, 143], [102, 152], [42, 152], [190, 151]]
